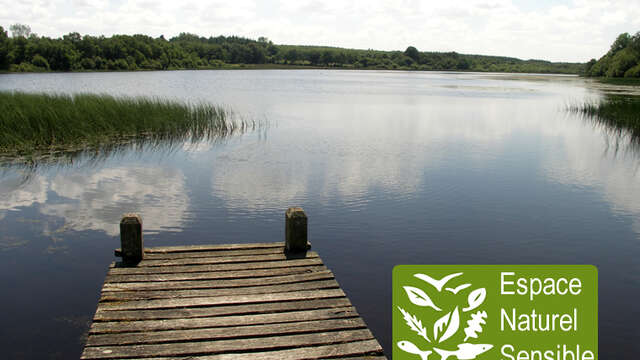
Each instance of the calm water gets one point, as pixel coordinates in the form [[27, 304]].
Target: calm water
[[391, 168]]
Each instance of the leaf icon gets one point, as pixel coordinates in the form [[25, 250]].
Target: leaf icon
[[414, 324], [475, 325], [475, 299], [449, 323], [419, 297]]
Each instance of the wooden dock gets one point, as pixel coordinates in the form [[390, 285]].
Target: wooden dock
[[240, 301]]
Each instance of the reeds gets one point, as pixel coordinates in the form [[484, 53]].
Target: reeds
[[617, 116], [615, 112], [45, 122]]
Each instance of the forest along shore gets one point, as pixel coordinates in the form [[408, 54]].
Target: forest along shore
[[25, 51]]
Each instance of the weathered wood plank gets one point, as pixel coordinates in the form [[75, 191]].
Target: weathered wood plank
[[218, 253], [221, 300], [191, 293], [215, 267], [219, 260], [156, 337], [367, 349], [218, 321], [222, 346], [217, 284], [213, 247], [193, 312], [236, 274], [206, 248]]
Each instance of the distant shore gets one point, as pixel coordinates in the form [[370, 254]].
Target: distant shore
[[284, 67], [28, 52]]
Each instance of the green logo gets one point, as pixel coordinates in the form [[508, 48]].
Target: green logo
[[508, 312]]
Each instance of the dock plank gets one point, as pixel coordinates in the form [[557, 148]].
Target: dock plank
[[225, 332], [211, 275], [193, 312], [283, 263], [217, 260], [213, 247], [171, 294], [218, 253], [222, 346], [368, 349], [220, 283], [221, 300], [235, 301], [234, 320]]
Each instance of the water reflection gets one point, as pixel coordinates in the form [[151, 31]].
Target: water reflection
[[95, 201], [18, 190], [605, 161]]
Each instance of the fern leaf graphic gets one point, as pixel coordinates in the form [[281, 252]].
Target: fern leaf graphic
[[475, 325], [415, 324]]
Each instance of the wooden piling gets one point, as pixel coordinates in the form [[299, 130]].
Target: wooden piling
[[131, 241], [295, 230]]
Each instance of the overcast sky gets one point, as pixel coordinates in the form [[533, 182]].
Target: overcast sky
[[572, 30]]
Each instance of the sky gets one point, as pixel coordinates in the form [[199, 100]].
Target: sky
[[569, 30]]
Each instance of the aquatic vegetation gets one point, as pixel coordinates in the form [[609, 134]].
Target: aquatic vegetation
[[31, 123], [620, 113]]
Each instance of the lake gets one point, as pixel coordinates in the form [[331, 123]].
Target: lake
[[391, 168]]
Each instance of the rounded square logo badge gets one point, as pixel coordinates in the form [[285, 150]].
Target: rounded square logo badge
[[508, 312]]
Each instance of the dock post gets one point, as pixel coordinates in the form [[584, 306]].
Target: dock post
[[295, 230], [131, 239]]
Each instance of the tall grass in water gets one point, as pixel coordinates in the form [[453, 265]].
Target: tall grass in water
[[619, 114], [35, 122]]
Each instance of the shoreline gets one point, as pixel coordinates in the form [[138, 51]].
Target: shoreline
[[291, 67]]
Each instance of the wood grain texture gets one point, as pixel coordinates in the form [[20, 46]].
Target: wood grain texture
[[193, 312], [218, 253], [283, 263], [218, 260], [218, 283], [174, 294], [225, 332], [368, 349], [237, 301], [225, 346], [220, 300], [234, 320]]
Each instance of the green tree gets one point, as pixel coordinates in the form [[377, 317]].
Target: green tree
[[412, 53], [589, 66], [4, 49], [20, 30], [88, 63], [17, 54], [622, 61], [291, 55], [40, 62], [621, 42], [633, 72]]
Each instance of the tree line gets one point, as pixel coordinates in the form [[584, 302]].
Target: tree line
[[24, 51], [622, 59]]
